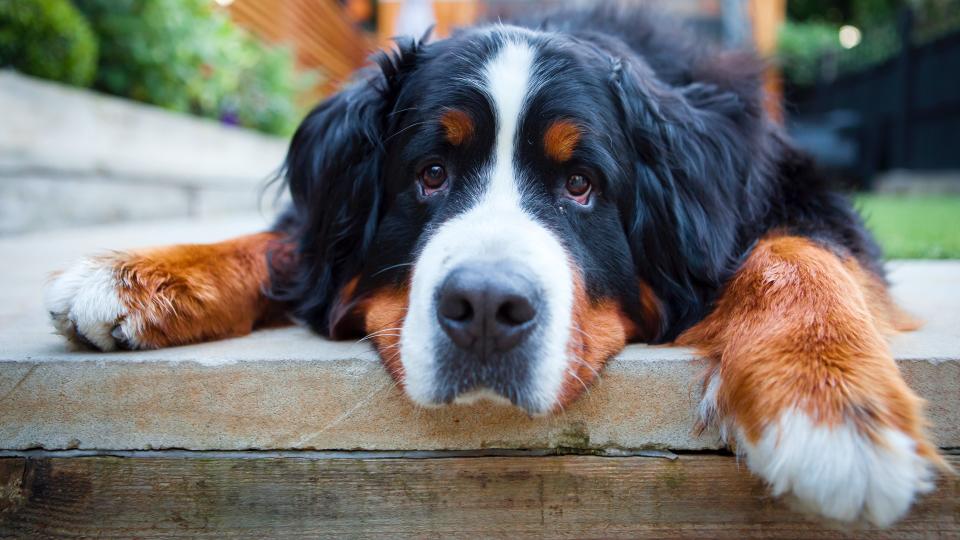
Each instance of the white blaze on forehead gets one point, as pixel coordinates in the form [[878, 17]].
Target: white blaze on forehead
[[508, 81], [495, 229]]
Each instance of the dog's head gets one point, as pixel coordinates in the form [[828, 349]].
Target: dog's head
[[502, 211]]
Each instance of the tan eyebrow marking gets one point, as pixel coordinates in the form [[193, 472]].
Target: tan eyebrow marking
[[458, 126], [561, 139]]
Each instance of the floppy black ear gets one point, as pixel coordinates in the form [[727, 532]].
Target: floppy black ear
[[699, 172], [334, 173]]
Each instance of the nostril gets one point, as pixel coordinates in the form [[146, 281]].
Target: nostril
[[515, 312], [456, 308]]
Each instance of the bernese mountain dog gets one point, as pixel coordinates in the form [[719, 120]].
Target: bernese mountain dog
[[500, 212]]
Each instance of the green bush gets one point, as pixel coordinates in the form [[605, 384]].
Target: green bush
[[266, 94], [49, 39], [808, 45], [811, 49], [186, 55], [801, 48]]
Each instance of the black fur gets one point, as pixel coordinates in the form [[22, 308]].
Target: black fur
[[690, 171], [334, 172]]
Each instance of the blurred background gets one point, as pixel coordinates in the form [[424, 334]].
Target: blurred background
[[120, 110]]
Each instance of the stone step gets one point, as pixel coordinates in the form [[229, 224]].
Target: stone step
[[287, 389], [71, 156]]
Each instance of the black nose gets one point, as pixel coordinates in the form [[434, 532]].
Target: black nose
[[487, 308]]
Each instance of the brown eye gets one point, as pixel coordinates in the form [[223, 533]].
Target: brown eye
[[578, 188], [432, 178]]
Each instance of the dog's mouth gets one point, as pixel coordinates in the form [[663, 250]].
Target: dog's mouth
[[491, 315]]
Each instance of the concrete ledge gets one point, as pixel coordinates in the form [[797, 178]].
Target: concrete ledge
[[288, 389]]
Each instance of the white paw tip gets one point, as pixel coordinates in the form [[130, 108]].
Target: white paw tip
[[84, 304], [838, 472]]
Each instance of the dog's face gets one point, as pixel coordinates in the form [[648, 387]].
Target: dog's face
[[477, 210], [521, 261]]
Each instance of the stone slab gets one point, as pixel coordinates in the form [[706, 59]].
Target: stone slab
[[50, 126], [35, 202], [41, 202], [73, 157], [289, 389]]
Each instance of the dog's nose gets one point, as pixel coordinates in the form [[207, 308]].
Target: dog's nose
[[487, 308]]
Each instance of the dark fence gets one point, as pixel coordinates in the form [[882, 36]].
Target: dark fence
[[902, 113]]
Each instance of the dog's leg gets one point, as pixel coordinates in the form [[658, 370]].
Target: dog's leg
[[165, 296], [805, 387]]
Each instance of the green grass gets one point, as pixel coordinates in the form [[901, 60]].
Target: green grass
[[914, 226]]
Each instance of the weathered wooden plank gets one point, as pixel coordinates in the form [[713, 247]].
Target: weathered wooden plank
[[703, 496]]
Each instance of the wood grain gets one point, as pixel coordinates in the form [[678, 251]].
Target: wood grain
[[321, 34], [703, 496]]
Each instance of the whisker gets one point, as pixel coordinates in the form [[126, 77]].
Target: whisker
[[391, 267], [387, 348], [584, 363], [411, 126], [349, 412], [382, 331], [385, 329], [403, 110], [578, 329], [563, 410], [575, 376], [382, 335]]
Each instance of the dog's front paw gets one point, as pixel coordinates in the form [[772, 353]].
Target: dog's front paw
[[85, 305], [838, 471]]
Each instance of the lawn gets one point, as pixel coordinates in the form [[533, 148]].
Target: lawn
[[914, 226]]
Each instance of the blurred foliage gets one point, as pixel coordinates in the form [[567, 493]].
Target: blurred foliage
[[49, 39], [188, 56], [801, 47], [809, 48], [838, 12], [268, 88], [914, 226], [934, 18], [808, 51]]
